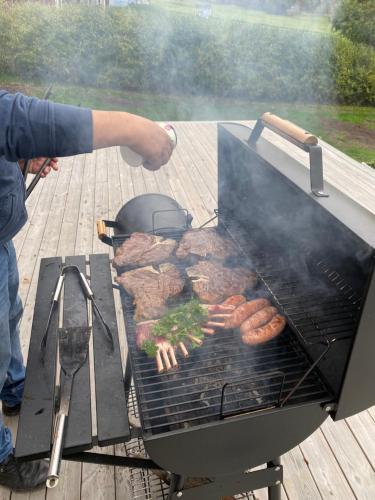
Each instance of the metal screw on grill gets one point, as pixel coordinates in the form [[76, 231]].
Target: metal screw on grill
[[278, 482], [179, 494], [328, 408], [277, 469]]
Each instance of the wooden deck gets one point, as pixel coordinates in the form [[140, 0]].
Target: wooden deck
[[338, 460]]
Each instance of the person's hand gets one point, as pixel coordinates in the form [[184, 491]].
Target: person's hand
[[36, 163], [151, 142], [117, 128]]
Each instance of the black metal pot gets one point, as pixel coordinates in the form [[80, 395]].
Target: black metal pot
[[147, 213]]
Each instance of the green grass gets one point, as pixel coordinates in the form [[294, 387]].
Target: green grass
[[349, 128], [308, 22]]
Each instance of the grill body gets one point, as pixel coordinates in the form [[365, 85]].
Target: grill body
[[230, 407]]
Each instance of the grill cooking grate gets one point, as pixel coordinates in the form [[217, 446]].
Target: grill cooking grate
[[225, 377]]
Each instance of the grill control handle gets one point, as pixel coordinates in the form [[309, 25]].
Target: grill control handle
[[301, 138]]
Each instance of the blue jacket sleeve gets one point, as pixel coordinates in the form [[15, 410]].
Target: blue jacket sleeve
[[30, 128]]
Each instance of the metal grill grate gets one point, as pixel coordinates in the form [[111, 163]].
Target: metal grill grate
[[225, 377]]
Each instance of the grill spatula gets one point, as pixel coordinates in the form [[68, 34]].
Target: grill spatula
[[73, 349]]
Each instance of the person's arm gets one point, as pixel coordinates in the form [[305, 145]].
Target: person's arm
[[112, 128], [31, 128]]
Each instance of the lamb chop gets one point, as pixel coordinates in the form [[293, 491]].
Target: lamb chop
[[142, 249], [165, 353], [205, 242], [213, 283], [151, 288]]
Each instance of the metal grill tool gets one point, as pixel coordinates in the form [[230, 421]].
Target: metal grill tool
[[73, 348], [89, 295]]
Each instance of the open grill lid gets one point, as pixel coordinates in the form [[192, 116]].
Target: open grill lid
[[346, 210], [269, 195]]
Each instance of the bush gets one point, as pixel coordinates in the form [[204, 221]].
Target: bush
[[356, 20], [144, 49]]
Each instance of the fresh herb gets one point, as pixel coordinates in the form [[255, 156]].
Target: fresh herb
[[179, 323], [150, 348]]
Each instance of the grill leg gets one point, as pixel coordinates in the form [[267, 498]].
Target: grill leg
[[274, 492]]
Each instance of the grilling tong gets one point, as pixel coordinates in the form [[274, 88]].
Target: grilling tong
[[89, 295], [73, 349]]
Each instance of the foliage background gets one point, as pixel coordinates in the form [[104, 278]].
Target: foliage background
[[356, 20], [166, 53]]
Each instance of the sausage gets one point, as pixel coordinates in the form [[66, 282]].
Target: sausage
[[238, 316], [266, 332], [234, 300], [258, 319]]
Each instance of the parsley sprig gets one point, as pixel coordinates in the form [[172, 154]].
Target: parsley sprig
[[178, 325]]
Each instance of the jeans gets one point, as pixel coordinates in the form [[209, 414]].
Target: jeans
[[12, 370]]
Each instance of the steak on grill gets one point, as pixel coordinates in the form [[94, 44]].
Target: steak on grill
[[142, 249], [204, 243], [213, 283], [151, 288]]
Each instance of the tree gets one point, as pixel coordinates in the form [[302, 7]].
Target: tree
[[356, 20]]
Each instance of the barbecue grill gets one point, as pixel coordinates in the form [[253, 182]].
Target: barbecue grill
[[230, 407]]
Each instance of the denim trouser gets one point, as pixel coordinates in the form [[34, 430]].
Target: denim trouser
[[12, 370]]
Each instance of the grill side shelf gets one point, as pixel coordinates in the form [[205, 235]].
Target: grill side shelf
[[78, 432], [37, 410], [111, 408]]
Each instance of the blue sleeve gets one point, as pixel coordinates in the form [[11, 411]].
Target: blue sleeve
[[30, 128]]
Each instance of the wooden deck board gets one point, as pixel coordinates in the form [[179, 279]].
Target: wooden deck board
[[338, 460]]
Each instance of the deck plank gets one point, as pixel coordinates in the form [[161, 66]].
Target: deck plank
[[330, 480], [62, 213], [350, 457]]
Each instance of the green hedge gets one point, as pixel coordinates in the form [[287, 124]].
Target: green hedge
[[147, 49]]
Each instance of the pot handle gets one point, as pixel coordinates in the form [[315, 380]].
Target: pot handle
[[301, 138], [101, 229]]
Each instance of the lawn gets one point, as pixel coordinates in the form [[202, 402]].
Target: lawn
[[348, 128], [307, 22]]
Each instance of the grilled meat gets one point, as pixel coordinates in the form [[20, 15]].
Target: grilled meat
[[142, 249], [213, 283], [234, 300], [165, 356], [143, 332], [266, 332], [239, 315], [151, 288], [258, 319], [205, 242]]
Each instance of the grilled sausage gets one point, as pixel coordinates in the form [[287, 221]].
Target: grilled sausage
[[266, 332], [258, 319], [238, 316], [234, 300]]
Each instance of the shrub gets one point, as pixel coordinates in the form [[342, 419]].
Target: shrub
[[356, 20], [146, 49]]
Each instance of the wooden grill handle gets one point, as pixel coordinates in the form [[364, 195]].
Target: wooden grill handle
[[101, 229], [288, 129]]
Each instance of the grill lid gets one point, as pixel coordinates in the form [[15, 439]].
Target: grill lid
[[346, 210]]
